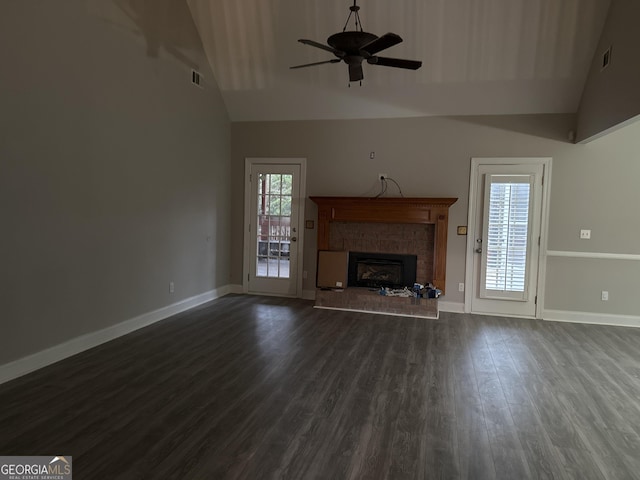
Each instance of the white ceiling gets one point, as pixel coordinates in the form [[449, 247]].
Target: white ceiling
[[479, 56]]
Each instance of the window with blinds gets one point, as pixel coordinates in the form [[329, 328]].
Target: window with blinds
[[507, 235]]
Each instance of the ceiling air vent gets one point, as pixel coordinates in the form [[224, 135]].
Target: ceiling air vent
[[606, 59], [196, 78]]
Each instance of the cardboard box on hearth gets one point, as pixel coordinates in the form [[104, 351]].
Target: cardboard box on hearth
[[332, 269]]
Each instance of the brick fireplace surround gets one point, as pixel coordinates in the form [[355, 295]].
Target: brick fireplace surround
[[415, 226], [396, 238]]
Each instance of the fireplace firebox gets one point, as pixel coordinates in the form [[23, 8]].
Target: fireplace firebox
[[381, 270]]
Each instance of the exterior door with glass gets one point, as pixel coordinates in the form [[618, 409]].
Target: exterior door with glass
[[273, 229], [506, 239]]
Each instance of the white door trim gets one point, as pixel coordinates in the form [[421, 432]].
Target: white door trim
[[471, 222], [246, 257]]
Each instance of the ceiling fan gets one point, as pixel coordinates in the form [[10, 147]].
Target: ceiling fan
[[354, 46]]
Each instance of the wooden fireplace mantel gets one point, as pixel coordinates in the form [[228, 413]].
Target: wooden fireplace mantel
[[390, 210]]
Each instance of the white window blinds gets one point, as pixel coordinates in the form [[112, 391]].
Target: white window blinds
[[507, 233]]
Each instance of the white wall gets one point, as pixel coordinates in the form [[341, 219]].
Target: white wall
[[113, 168], [597, 189], [593, 186]]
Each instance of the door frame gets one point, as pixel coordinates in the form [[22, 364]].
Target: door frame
[[246, 257], [476, 162]]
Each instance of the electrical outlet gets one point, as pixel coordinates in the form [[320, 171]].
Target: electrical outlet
[[605, 296], [585, 234], [171, 287], [382, 176], [461, 287]]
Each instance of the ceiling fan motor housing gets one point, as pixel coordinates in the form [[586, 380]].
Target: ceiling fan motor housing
[[351, 42]]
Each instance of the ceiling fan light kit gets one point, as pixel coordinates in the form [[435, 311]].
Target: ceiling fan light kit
[[355, 46]]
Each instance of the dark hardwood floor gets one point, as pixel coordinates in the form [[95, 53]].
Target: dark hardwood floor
[[254, 387]]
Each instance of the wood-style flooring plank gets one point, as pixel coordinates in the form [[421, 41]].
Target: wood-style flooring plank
[[250, 387], [475, 458]]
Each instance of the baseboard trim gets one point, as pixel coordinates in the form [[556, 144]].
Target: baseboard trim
[[79, 344], [237, 289], [450, 307], [591, 318]]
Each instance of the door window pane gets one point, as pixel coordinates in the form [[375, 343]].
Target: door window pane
[[508, 231], [274, 225]]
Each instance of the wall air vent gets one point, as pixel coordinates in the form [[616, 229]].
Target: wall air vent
[[606, 59], [196, 78]]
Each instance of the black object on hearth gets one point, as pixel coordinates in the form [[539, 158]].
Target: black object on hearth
[[376, 270]]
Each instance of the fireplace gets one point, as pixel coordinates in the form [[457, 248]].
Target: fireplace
[[395, 223], [381, 270]]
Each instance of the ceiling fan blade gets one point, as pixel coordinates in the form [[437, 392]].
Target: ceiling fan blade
[[395, 62], [385, 41], [333, 60], [322, 46], [355, 72]]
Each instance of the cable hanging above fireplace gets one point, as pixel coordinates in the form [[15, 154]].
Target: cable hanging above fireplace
[[383, 186]]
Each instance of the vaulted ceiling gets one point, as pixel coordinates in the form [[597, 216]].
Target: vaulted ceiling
[[479, 56]]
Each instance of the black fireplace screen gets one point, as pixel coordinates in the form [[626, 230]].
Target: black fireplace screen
[[381, 270]]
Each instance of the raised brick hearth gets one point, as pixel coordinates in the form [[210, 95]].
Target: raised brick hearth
[[366, 300]]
